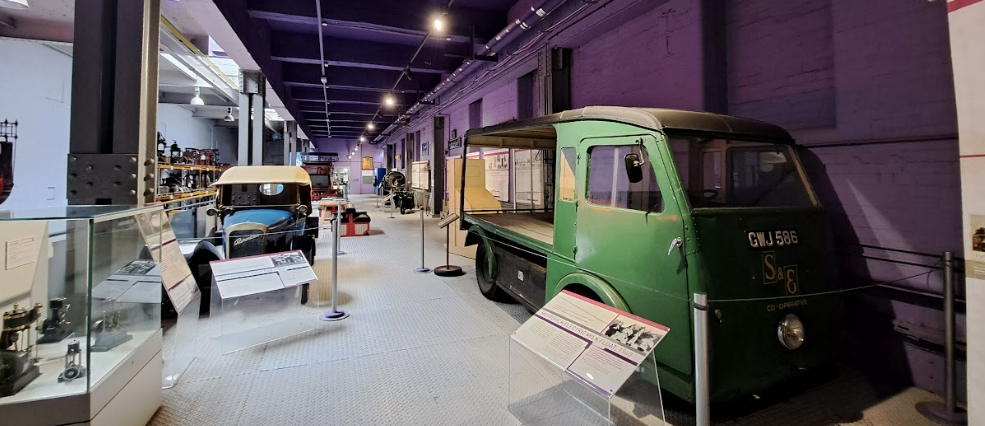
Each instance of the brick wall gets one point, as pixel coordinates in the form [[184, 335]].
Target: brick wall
[[781, 62], [499, 105], [653, 61]]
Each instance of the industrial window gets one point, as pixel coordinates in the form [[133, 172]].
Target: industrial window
[[609, 185], [566, 180]]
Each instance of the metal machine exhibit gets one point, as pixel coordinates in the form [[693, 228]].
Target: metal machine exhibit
[[260, 209], [645, 208], [394, 185]]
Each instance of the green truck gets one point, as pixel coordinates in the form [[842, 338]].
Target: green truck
[[641, 209]]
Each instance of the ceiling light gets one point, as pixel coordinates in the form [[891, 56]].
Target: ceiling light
[[439, 24], [362, 139], [197, 100], [14, 4], [229, 116], [370, 126], [389, 100], [324, 24]]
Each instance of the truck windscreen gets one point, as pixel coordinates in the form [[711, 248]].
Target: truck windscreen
[[724, 173]]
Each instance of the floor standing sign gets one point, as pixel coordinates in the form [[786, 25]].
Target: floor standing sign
[[579, 362], [258, 299]]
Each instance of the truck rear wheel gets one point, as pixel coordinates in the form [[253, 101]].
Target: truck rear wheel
[[483, 276]]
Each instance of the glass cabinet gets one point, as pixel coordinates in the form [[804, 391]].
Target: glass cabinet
[[80, 292]]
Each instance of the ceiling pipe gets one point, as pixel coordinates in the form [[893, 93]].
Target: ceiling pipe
[[324, 77], [537, 13]]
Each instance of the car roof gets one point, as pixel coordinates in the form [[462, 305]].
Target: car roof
[[655, 119], [264, 174]]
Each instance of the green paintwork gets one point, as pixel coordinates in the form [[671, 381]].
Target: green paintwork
[[622, 255]]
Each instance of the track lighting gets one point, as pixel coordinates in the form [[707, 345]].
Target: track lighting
[[362, 139], [439, 24], [370, 126], [389, 100]]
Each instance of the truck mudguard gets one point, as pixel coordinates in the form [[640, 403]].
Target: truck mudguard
[[598, 285]]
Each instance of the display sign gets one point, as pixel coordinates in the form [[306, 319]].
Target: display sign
[[173, 272], [137, 282], [498, 172], [367, 163], [420, 175], [596, 344], [455, 143], [244, 276]]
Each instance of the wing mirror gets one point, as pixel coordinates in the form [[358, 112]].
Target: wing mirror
[[634, 167]]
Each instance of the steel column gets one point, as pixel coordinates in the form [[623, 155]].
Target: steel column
[[702, 402], [251, 102], [112, 153]]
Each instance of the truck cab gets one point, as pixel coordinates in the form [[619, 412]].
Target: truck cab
[[643, 208]]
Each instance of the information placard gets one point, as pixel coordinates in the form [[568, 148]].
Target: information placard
[[596, 344], [244, 276]]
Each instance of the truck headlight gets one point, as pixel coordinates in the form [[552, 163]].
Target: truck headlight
[[791, 332]]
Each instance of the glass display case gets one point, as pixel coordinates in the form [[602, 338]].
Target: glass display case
[[80, 292]]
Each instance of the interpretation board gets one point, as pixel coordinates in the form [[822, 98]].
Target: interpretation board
[[172, 270], [596, 344], [244, 276]]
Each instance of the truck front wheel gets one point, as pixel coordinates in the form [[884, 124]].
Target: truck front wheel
[[483, 275]]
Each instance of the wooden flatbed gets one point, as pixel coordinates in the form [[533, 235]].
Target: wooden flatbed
[[535, 225]]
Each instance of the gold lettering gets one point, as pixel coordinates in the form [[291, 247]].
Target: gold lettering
[[791, 281], [752, 240], [769, 270]]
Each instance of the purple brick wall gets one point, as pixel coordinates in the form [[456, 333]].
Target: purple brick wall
[[781, 62], [499, 105], [653, 61]]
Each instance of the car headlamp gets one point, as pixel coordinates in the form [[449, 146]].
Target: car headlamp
[[791, 332]]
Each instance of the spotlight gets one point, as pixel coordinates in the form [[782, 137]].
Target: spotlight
[[229, 116], [370, 126], [390, 101], [197, 100], [362, 139], [439, 24]]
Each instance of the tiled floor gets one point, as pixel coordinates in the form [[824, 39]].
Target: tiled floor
[[423, 350]]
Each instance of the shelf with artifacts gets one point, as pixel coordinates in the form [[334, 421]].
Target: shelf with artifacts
[[81, 315], [187, 171]]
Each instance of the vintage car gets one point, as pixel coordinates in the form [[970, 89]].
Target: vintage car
[[260, 209]]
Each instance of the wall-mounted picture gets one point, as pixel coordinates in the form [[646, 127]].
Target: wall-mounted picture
[[978, 233]]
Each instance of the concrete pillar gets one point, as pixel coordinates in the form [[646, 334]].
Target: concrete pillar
[[966, 19], [112, 150], [251, 103]]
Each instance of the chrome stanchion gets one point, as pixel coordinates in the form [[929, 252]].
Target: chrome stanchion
[[947, 412], [338, 213], [335, 314], [702, 404], [422, 268]]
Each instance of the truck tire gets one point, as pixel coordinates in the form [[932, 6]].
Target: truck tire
[[487, 285]]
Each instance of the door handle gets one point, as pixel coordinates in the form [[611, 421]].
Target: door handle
[[675, 244]]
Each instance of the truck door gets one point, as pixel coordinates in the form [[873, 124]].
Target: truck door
[[629, 234]]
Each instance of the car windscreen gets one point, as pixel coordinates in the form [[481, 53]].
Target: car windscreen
[[730, 173], [267, 194]]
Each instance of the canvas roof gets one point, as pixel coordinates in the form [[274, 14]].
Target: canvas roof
[[540, 132], [264, 174]]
